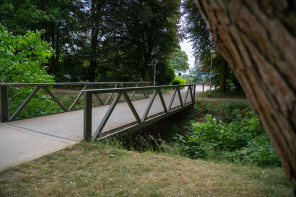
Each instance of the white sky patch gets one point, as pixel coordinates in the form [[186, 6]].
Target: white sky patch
[[187, 47]]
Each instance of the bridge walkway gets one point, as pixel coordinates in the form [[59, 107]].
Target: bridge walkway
[[26, 139]]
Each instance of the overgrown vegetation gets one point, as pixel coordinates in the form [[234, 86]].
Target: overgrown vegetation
[[96, 169], [220, 131]]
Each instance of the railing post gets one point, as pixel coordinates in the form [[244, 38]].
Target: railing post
[[87, 136], [3, 103], [194, 91]]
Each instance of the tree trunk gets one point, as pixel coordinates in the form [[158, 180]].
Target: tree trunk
[[258, 39], [93, 43], [147, 74], [93, 62], [223, 75]]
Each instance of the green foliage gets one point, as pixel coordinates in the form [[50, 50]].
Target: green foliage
[[239, 138], [22, 56], [178, 81], [179, 62], [22, 60], [196, 28], [164, 75], [100, 39]]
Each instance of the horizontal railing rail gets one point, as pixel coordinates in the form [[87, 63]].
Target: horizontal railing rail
[[4, 100], [68, 83], [168, 109]]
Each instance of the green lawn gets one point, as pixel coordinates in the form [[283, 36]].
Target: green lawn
[[100, 170]]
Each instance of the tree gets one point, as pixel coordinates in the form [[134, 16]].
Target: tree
[[143, 32], [21, 58], [203, 46], [179, 62], [58, 19], [258, 39]]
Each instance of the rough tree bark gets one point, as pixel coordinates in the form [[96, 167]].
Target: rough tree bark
[[258, 39]]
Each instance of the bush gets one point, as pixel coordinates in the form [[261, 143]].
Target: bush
[[22, 60], [178, 81], [241, 140]]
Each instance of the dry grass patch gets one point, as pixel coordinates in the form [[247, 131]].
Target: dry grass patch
[[100, 170]]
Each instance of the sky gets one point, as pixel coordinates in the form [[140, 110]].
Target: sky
[[186, 46]]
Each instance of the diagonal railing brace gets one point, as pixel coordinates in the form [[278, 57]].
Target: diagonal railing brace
[[24, 103], [186, 96], [162, 101], [149, 106], [180, 97], [107, 115], [132, 107], [54, 98], [172, 99], [77, 99]]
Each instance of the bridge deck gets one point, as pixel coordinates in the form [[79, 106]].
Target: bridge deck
[[26, 139]]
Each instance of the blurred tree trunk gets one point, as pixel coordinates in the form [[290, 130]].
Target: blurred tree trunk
[[223, 75], [258, 39]]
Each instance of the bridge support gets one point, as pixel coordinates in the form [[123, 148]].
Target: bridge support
[[3, 103], [87, 135]]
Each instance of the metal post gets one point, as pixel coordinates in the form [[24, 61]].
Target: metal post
[[87, 116], [154, 73], [3, 103], [210, 75], [194, 92]]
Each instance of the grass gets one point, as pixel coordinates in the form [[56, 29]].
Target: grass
[[220, 109], [91, 169], [228, 94]]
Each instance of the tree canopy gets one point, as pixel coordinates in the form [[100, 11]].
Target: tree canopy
[[22, 58], [100, 40], [179, 62]]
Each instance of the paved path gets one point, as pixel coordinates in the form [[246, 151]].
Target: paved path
[[27, 139]]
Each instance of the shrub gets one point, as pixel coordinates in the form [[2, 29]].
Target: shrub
[[22, 60], [241, 140], [178, 81]]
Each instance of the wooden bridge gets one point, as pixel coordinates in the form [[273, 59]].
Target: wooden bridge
[[116, 110]]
